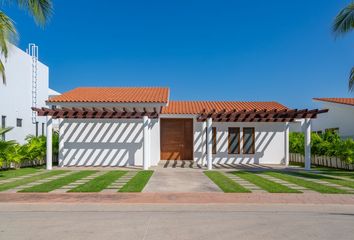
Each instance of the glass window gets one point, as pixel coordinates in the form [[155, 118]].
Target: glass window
[[214, 140], [18, 122], [234, 140], [248, 141], [3, 125]]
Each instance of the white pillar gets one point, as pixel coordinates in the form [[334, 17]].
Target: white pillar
[[204, 144], [61, 144], [49, 142], [209, 143], [287, 144], [307, 143], [149, 143], [145, 142]]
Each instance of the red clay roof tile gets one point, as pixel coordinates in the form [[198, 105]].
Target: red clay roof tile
[[114, 95], [346, 101]]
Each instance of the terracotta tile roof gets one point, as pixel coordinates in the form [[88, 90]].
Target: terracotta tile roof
[[346, 101], [195, 107], [114, 95]]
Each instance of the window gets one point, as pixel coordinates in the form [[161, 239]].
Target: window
[[3, 125], [43, 127], [234, 140], [248, 141], [214, 140], [18, 122]]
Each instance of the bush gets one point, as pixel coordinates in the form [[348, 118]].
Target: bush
[[326, 144]]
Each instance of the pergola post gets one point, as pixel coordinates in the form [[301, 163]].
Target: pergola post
[[49, 133], [307, 143], [145, 143], [287, 126], [204, 144], [209, 143]]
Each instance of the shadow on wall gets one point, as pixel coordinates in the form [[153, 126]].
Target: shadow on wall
[[100, 142], [264, 142]]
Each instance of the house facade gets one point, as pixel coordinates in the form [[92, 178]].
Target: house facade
[[142, 126], [340, 117], [26, 86]]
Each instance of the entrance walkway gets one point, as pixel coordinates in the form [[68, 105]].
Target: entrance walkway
[[180, 180]]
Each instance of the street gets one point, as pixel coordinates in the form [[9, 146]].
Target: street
[[150, 221]]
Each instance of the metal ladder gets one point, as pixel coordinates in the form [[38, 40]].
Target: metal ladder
[[33, 52]]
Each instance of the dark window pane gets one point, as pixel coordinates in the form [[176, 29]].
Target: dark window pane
[[18, 122], [3, 125], [248, 140], [214, 140], [234, 140]]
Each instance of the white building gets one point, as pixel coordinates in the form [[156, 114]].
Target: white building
[[141, 126], [26, 86], [340, 117]]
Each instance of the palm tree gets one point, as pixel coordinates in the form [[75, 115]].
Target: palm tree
[[41, 11], [344, 23]]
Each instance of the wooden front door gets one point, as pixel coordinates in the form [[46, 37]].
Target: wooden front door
[[176, 139]]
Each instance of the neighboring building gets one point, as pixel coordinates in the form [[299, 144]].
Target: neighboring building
[[141, 126], [340, 117], [26, 86]]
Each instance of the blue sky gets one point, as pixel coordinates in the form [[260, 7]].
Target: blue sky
[[203, 50]]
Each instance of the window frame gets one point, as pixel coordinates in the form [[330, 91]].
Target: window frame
[[229, 141], [19, 122], [253, 141]]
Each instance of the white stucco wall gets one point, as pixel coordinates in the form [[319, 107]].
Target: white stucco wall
[[106, 142], [16, 95], [339, 116]]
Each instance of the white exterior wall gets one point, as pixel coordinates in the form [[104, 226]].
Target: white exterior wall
[[16, 95], [339, 116], [269, 143], [106, 142]]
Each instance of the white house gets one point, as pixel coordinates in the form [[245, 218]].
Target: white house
[[141, 126], [26, 86], [340, 117]]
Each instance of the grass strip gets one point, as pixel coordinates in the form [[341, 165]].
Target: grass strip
[[99, 183], [12, 173], [305, 183], [58, 183], [224, 183], [338, 173], [24, 181], [138, 182], [264, 183], [326, 178]]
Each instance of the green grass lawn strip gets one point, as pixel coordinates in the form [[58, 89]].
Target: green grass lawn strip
[[12, 173], [24, 181], [60, 182], [265, 184], [99, 183], [224, 183], [305, 183], [326, 178], [138, 182]]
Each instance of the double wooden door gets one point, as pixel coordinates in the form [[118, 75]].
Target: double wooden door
[[176, 139]]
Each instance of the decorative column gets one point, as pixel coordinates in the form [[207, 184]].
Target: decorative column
[[287, 144], [204, 144], [307, 143], [149, 143], [49, 142], [145, 143], [209, 143]]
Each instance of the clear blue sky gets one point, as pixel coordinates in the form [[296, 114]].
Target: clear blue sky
[[203, 50]]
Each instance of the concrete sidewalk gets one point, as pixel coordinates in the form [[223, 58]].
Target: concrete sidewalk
[[180, 180]]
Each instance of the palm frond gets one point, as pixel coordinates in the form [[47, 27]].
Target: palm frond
[[351, 80], [344, 21], [41, 10], [5, 130]]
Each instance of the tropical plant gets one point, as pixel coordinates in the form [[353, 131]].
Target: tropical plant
[[5, 146], [344, 23], [41, 11], [35, 148]]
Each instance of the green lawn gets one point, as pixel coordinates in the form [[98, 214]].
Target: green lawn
[[138, 182], [305, 183], [226, 184], [265, 184], [6, 174], [60, 182], [24, 181], [99, 183]]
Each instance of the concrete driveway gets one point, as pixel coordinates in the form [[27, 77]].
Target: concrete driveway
[[129, 222], [180, 180]]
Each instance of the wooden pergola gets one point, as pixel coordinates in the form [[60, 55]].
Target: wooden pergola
[[254, 115], [94, 112]]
